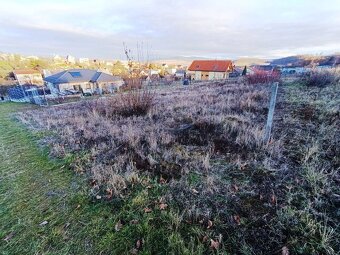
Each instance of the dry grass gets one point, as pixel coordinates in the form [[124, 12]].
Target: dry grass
[[119, 140], [320, 78], [204, 143]]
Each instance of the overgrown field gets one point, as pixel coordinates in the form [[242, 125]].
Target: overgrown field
[[187, 171]]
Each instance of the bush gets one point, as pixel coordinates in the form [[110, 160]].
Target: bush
[[134, 102], [260, 76], [319, 79], [130, 103], [132, 83]]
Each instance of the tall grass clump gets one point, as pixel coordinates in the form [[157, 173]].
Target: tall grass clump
[[130, 103], [320, 79], [262, 77], [134, 103]]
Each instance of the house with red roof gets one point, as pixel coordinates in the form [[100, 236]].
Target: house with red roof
[[210, 69]]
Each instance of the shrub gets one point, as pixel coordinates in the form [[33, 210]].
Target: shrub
[[132, 83], [134, 102], [130, 103], [260, 76], [319, 78]]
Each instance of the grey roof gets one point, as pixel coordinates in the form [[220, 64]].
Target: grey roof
[[80, 75]]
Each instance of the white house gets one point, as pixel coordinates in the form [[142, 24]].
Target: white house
[[70, 59], [28, 77], [84, 60], [85, 80]]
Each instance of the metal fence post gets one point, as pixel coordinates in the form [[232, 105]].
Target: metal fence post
[[271, 112]]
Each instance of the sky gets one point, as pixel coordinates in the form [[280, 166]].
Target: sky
[[167, 29]]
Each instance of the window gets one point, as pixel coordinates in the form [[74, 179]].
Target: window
[[75, 74]]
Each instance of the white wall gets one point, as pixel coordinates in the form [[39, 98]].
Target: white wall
[[216, 75], [29, 79], [198, 75]]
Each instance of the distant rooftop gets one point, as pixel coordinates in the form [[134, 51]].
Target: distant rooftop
[[80, 75], [26, 71], [211, 65]]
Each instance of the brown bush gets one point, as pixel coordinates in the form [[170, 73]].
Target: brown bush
[[132, 83], [320, 78], [134, 103], [262, 77]]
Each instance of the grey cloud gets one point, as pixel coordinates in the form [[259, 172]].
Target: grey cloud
[[175, 28]]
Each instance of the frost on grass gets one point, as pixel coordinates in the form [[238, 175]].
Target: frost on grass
[[170, 133], [204, 143]]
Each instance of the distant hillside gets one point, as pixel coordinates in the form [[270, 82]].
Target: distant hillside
[[179, 60], [305, 60], [250, 61]]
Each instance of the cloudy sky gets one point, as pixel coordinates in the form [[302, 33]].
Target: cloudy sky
[[170, 28]]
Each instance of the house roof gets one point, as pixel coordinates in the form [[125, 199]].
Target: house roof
[[80, 75], [211, 65], [26, 71]]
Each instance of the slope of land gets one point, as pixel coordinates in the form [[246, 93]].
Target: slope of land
[[192, 176]]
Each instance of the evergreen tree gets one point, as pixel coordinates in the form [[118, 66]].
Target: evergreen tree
[[244, 72]]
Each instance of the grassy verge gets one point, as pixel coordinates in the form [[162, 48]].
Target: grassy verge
[[35, 190]]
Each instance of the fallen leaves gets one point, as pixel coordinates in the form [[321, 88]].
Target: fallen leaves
[[162, 180], [45, 222], [118, 225], [134, 222], [273, 199], [109, 193], [134, 251], [237, 219], [138, 246], [147, 210], [214, 244], [205, 239], [243, 166], [9, 236], [163, 206], [234, 188], [210, 224], [285, 250], [195, 191]]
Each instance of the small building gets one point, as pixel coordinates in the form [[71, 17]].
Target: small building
[[84, 61], [57, 59], [180, 74], [84, 80], [28, 76], [171, 71], [70, 59], [210, 69], [294, 70]]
